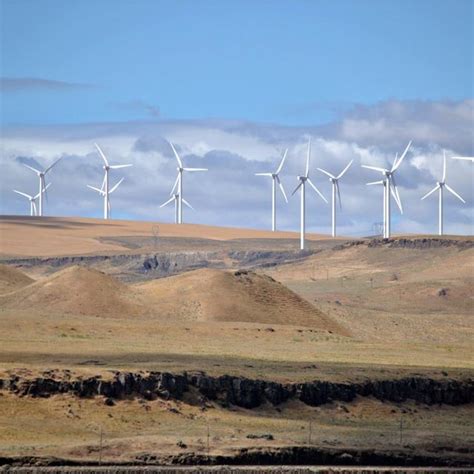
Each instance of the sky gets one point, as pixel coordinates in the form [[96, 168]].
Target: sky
[[233, 83]]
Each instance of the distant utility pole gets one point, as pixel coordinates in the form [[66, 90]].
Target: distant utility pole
[[156, 233], [100, 446], [208, 440], [401, 430]]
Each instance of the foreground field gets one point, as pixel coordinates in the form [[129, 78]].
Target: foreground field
[[135, 430], [346, 312]]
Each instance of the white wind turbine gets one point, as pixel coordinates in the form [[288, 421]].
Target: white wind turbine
[[440, 185], [32, 199], [335, 189], [42, 183], [302, 184], [179, 183], [276, 180], [390, 189], [175, 198], [104, 189], [106, 196]]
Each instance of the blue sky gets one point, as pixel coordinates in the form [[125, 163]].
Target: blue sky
[[291, 62], [232, 84]]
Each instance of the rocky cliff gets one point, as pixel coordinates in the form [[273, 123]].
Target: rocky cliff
[[243, 392]]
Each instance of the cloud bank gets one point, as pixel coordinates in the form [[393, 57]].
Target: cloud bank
[[230, 193]]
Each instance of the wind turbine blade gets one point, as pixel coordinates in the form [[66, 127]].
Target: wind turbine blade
[[195, 169], [297, 187], [116, 167], [263, 174], [101, 153], [394, 162], [95, 189], [326, 173], [431, 192], [281, 162], [395, 195], [187, 204], [175, 184], [338, 194], [103, 182], [35, 210], [397, 164], [116, 186], [44, 190], [307, 158], [54, 164], [23, 194], [343, 172], [444, 166], [374, 182], [452, 191], [467, 158], [376, 168], [171, 199], [317, 190], [281, 188], [177, 156], [31, 168]]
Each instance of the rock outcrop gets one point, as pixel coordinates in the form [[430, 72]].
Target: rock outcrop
[[243, 392]]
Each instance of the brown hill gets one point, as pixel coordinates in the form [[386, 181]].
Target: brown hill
[[241, 296], [76, 290], [12, 279]]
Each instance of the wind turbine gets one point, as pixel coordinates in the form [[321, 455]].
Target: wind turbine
[[466, 158], [390, 188], [302, 185], [42, 184], [175, 198], [104, 190], [179, 183], [440, 185], [276, 180], [32, 199], [107, 206], [335, 189]]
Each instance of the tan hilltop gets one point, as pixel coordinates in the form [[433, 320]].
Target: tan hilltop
[[12, 279], [75, 290], [198, 296], [240, 296]]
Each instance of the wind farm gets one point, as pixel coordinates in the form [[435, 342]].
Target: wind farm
[[236, 237]]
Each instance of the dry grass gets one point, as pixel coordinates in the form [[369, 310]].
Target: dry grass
[[56, 236], [68, 427]]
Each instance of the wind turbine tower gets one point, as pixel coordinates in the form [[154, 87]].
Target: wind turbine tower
[[104, 189], [179, 183], [42, 183], [440, 185], [302, 186], [276, 180], [335, 190], [175, 198], [32, 199], [390, 189]]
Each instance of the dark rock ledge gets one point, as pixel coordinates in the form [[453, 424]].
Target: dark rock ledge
[[244, 392]]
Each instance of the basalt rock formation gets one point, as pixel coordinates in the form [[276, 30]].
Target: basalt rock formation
[[241, 391]]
